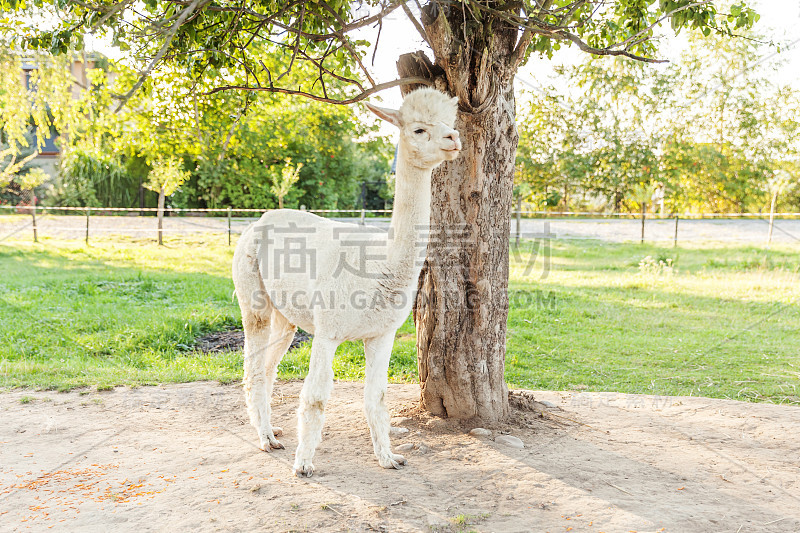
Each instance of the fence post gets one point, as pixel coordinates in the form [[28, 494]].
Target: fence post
[[363, 202], [88, 210], [229, 225], [519, 218], [35, 229], [675, 239]]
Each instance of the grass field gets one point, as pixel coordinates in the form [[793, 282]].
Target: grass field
[[722, 322]]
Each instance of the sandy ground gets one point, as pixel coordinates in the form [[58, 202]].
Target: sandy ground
[[184, 458], [19, 227]]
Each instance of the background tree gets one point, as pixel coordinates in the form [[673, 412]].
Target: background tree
[[282, 184], [165, 178], [229, 141], [543, 137], [627, 126], [606, 133], [32, 105], [91, 178], [779, 183], [327, 140], [477, 47]]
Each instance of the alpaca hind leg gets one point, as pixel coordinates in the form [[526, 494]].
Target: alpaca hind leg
[[256, 343], [311, 413], [378, 352], [280, 338]]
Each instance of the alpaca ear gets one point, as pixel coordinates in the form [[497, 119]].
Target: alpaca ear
[[389, 115]]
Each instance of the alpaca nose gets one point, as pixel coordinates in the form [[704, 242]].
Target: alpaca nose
[[453, 136]]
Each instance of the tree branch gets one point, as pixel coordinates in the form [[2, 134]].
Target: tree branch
[[296, 41], [518, 55], [352, 100], [416, 23], [242, 111], [163, 50], [566, 36], [346, 28], [657, 22]]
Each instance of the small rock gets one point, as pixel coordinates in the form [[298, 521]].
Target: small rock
[[394, 432], [510, 441], [404, 447], [549, 405], [480, 432], [439, 424], [423, 448]]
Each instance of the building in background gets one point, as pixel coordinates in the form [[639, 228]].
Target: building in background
[[48, 156]]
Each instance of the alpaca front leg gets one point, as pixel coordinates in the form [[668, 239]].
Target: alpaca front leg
[[378, 351], [311, 413]]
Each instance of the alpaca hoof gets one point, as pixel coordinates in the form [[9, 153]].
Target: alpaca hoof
[[394, 460], [303, 469], [271, 443], [268, 440]]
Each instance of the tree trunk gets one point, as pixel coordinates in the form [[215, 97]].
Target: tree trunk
[[462, 303], [644, 213], [161, 197], [772, 205]]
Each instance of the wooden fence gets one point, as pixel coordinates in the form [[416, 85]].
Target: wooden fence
[[227, 213]]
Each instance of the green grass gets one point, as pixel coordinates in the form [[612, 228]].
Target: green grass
[[723, 323]]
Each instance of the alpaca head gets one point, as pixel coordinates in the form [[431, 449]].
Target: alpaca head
[[426, 121]]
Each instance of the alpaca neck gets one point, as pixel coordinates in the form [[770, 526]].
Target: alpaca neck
[[411, 217]]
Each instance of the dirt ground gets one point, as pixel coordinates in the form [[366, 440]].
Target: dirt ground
[[184, 458]]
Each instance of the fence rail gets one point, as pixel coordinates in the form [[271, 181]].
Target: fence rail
[[178, 210], [244, 215], [654, 216], [23, 209]]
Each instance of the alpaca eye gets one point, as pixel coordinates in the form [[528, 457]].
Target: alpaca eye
[[419, 131]]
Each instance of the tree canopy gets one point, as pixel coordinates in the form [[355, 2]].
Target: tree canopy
[[257, 45], [712, 127], [232, 143], [184, 58]]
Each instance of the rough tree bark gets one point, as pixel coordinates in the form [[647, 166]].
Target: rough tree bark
[[462, 304]]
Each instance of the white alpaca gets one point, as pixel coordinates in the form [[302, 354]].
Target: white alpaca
[[340, 282]]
